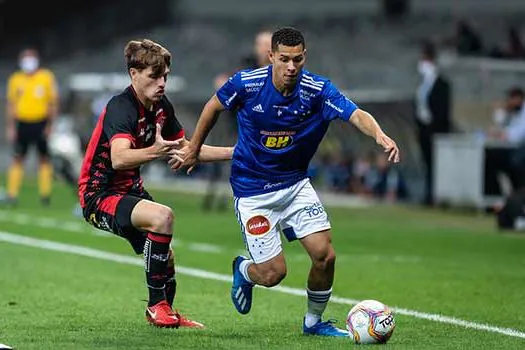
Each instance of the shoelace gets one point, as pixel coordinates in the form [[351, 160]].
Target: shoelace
[[330, 322], [179, 316]]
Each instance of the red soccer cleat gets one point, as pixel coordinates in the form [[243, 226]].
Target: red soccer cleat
[[161, 315], [184, 322]]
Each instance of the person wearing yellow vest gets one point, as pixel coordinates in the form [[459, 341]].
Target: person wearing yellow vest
[[32, 105]]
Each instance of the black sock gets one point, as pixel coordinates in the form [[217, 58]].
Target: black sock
[[156, 252], [171, 285]]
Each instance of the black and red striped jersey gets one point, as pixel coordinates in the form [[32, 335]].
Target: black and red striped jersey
[[124, 116]]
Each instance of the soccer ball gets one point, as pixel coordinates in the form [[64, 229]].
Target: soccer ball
[[370, 322]]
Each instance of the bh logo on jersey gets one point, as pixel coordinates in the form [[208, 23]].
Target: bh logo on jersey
[[277, 140], [258, 225]]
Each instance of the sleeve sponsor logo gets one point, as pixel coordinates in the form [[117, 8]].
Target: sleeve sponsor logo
[[330, 104]]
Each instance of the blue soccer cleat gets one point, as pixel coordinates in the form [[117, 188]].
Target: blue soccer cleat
[[326, 328], [241, 293]]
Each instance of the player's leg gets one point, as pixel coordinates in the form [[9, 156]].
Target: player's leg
[[15, 173], [171, 282], [266, 265], [319, 285], [45, 168], [305, 219], [157, 221], [129, 217]]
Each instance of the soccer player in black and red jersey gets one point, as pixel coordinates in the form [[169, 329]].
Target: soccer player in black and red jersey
[[138, 126]]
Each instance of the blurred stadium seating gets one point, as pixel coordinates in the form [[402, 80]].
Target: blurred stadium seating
[[366, 53]]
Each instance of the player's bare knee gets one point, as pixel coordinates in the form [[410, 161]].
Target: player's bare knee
[[162, 220], [273, 276], [325, 261]]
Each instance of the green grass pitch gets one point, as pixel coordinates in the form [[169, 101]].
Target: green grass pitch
[[434, 262]]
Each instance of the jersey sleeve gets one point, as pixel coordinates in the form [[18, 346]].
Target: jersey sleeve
[[335, 105], [118, 121], [231, 93], [172, 129]]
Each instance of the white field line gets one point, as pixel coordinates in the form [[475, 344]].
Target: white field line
[[124, 259], [82, 227]]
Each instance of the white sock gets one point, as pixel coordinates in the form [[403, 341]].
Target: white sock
[[243, 267], [317, 301]]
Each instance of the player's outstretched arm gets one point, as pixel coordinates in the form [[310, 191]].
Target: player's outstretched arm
[[215, 153], [123, 157], [207, 154], [206, 121], [369, 126]]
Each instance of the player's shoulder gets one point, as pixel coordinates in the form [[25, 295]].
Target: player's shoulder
[[247, 77], [121, 103], [312, 85], [166, 104], [313, 81], [251, 72]]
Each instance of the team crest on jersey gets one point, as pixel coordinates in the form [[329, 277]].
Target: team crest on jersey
[[277, 140], [258, 225]]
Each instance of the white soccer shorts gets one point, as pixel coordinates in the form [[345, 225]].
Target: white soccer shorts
[[295, 211]]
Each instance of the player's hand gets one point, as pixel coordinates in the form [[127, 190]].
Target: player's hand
[[389, 146], [176, 158], [191, 159], [162, 146], [10, 133]]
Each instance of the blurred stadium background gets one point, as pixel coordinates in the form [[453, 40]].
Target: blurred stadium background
[[370, 49]]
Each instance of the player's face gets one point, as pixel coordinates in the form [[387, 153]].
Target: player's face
[[148, 84], [287, 63]]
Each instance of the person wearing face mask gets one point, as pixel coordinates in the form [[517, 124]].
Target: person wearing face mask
[[509, 120], [32, 105], [433, 107]]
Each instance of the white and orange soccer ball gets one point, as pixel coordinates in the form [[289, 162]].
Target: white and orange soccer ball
[[370, 322]]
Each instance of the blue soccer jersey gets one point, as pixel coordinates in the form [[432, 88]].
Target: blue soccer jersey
[[278, 135]]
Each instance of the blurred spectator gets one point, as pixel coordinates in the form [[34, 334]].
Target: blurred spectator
[[513, 48], [66, 152], [99, 102], [227, 125], [338, 171], [384, 181], [511, 214], [509, 120], [257, 58], [362, 166], [433, 109], [32, 105], [466, 41]]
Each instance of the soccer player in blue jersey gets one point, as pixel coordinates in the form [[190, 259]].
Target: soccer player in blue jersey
[[283, 112]]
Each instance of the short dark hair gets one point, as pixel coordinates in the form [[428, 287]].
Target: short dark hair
[[428, 50], [516, 91], [287, 36]]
